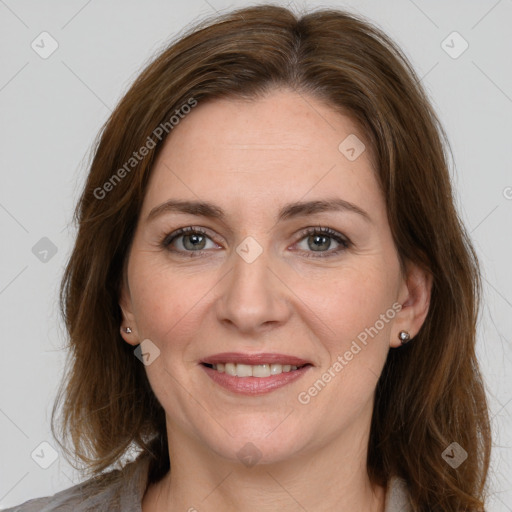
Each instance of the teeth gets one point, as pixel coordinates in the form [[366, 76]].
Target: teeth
[[257, 370], [276, 369], [243, 370], [229, 368], [260, 370]]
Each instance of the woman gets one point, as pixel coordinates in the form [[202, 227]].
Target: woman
[[276, 302]]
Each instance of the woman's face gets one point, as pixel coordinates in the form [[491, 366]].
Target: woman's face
[[256, 279]]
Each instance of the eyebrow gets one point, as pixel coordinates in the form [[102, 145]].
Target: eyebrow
[[288, 211]]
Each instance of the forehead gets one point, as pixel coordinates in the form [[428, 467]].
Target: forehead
[[285, 146]]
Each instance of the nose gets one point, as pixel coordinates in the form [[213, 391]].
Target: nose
[[253, 297]]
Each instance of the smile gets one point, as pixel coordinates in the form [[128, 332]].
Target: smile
[[258, 370], [254, 374]]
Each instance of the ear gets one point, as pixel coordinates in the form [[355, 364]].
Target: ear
[[128, 317], [414, 297]]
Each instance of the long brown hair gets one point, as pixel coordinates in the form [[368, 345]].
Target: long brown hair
[[430, 393]]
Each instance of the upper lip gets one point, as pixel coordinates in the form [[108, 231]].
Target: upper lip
[[254, 359]]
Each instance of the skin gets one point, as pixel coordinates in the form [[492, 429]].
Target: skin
[[250, 158]]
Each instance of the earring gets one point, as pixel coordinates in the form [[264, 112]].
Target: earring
[[404, 337], [127, 330]]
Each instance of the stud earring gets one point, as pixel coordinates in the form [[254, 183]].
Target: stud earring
[[404, 337], [127, 330]]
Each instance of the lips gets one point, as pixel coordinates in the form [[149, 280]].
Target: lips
[[254, 374]]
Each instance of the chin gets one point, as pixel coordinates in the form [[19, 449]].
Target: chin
[[263, 446]]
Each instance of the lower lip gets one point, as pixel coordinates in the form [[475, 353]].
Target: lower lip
[[254, 385]]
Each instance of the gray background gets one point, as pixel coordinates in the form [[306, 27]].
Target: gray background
[[51, 110]]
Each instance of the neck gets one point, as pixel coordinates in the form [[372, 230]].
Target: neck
[[332, 477]]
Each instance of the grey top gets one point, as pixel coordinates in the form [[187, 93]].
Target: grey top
[[126, 493]]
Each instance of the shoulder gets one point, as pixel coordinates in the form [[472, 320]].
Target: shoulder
[[117, 490], [397, 496], [93, 494]]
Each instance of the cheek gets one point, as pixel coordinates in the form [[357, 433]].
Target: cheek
[[166, 300], [336, 304], [358, 312], [350, 301]]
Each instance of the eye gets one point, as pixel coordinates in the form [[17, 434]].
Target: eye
[[319, 240], [189, 239]]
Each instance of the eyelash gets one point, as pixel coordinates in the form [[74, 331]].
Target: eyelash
[[190, 230]]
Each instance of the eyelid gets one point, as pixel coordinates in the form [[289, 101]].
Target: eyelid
[[323, 230]]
